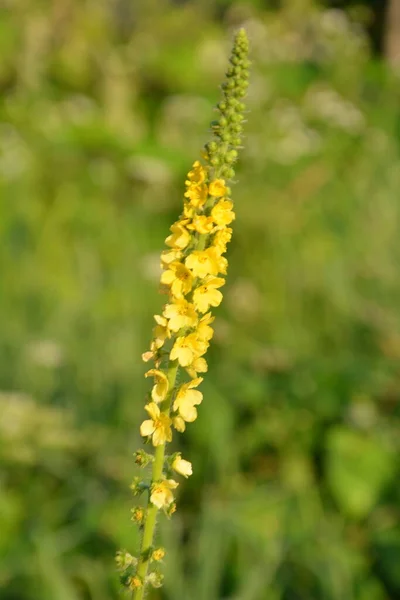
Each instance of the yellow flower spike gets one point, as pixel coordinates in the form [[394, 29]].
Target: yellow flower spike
[[218, 188], [222, 213], [180, 313], [179, 278], [182, 466], [208, 294], [179, 238], [161, 495], [187, 399], [158, 426], [191, 277], [160, 389]]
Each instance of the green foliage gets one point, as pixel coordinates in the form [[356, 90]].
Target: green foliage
[[295, 491]]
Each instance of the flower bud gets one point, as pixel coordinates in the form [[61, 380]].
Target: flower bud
[[182, 466]]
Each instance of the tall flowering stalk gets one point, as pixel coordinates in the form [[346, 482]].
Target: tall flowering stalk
[[193, 268]]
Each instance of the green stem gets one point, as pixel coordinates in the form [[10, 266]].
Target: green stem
[[151, 514]]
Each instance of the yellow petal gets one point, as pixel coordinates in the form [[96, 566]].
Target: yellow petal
[[147, 428]]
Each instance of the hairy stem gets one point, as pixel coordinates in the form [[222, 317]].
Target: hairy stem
[[151, 513]]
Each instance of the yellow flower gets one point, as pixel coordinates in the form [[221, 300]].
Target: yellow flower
[[161, 331], [204, 331], [203, 262], [146, 356], [137, 515], [187, 398], [221, 239], [221, 262], [180, 314], [207, 294], [180, 237], [159, 425], [199, 365], [160, 389], [222, 213], [158, 554], [187, 348], [202, 224], [135, 583], [189, 211], [217, 188], [198, 174], [169, 256], [179, 278], [182, 466], [161, 495], [197, 194]]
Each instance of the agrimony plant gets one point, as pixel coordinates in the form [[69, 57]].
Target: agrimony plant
[[193, 269]]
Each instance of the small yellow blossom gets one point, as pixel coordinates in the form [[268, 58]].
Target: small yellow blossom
[[197, 194], [204, 331], [187, 348], [199, 365], [135, 583], [222, 213], [187, 399], [203, 262], [158, 554], [160, 389], [182, 466], [169, 256], [146, 356], [180, 314], [202, 224], [161, 495], [179, 278], [221, 261], [158, 426], [208, 294], [189, 211], [217, 188], [221, 239], [198, 174], [180, 236], [161, 331], [137, 515]]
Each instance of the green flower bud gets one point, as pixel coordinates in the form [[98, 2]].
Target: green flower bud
[[142, 458], [231, 156], [212, 147]]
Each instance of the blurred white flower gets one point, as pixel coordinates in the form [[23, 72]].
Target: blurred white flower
[[46, 353]]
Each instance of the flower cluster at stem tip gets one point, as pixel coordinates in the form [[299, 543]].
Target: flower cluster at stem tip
[[193, 270]]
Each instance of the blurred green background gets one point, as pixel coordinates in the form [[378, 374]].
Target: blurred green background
[[104, 106]]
